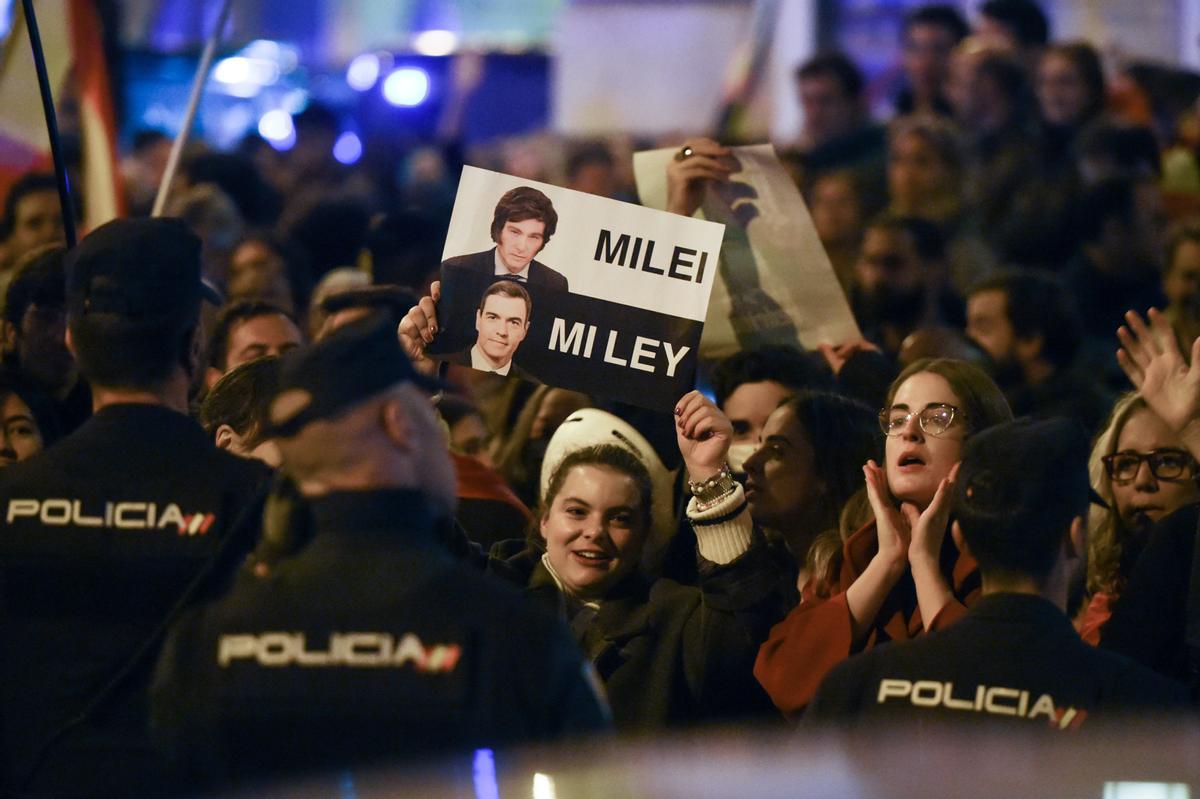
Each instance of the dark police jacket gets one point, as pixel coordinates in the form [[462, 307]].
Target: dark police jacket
[[102, 534], [373, 643], [1013, 657]]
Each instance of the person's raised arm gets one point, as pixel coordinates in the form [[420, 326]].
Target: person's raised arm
[[697, 162], [717, 510], [924, 553], [418, 328], [1151, 358]]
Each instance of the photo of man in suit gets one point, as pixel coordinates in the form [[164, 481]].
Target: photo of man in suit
[[501, 324], [522, 225]]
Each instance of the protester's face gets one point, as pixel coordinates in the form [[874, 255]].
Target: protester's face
[[783, 486], [828, 112], [926, 58], [1061, 91], [469, 436], [988, 324], [836, 211], [260, 336], [19, 434], [1181, 284], [749, 405], [37, 221], [555, 407], [916, 173], [916, 461], [594, 530], [520, 242], [888, 260], [995, 35], [42, 349], [257, 271], [502, 327], [1146, 499]]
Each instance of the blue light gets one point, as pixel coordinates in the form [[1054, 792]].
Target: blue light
[[407, 86], [276, 127], [486, 786], [363, 72], [348, 148]]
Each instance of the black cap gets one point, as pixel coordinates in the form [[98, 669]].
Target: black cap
[[350, 365], [143, 272], [1026, 467]]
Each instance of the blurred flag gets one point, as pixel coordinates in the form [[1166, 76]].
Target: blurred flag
[[75, 63]]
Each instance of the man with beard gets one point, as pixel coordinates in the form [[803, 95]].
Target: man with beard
[[1030, 329], [900, 281]]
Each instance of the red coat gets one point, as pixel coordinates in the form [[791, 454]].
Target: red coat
[[816, 635]]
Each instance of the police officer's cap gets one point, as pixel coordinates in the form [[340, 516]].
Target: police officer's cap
[[137, 272], [1026, 466], [352, 364]]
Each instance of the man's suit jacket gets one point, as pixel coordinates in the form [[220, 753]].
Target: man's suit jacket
[[483, 264], [463, 358]]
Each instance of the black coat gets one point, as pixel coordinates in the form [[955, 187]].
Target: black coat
[[482, 265], [104, 533], [373, 643], [1013, 658], [667, 653]]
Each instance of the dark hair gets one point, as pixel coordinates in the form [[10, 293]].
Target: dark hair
[[391, 300], [146, 138], [508, 288], [844, 434], [1183, 233], [928, 239], [317, 116], [834, 65], [1024, 18], [403, 245], [331, 234], [231, 315], [946, 17], [606, 455], [1111, 198], [454, 408], [1087, 61], [29, 183], [114, 354], [242, 400], [983, 402], [1037, 304], [588, 154], [522, 204], [236, 175], [781, 364], [40, 279], [45, 415], [1011, 78]]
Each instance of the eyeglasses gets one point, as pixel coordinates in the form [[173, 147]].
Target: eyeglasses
[[1165, 464], [933, 419]]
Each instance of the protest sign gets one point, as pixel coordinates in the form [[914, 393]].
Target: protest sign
[[775, 284], [574, 290]]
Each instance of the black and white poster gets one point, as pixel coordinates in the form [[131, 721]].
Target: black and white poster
[[574, 290]]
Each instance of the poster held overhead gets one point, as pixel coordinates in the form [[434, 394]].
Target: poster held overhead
[[775, 283], [574, 290]]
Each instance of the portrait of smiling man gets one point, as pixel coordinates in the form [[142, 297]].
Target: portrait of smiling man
[[501, 324], [522, 225]]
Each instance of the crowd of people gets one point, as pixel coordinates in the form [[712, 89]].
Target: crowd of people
[[252, 530]]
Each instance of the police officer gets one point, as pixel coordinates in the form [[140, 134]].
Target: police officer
[[372, 642], [110, 528], [1021, 497]]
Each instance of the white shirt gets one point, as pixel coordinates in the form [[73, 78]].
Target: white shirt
[[479, 361], [502, 270]]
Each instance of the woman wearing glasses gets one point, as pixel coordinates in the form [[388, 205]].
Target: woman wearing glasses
[[900, 575], [1143, 472]]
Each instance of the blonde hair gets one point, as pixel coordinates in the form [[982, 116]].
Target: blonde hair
[[1106, 534]]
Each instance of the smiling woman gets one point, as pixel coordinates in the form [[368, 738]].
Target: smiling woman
[[667, 653]]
